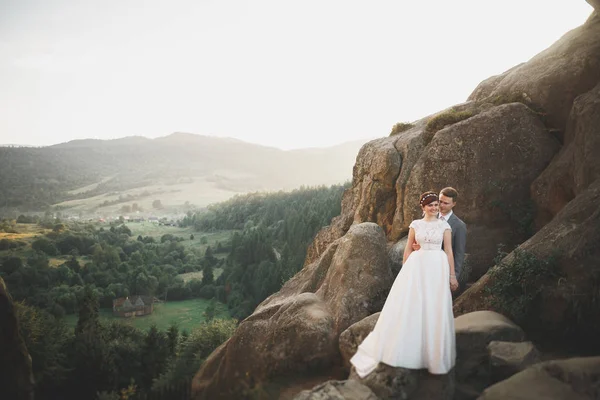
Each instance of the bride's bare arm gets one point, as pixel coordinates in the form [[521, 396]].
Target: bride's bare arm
[[408, 248]]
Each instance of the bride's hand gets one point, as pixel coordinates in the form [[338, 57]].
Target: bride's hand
[[453, 283]]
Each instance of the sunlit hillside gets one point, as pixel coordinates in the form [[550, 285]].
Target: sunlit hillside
[[165, 175]]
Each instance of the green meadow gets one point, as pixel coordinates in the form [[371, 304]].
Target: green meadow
[[186, 315], [200, 241]]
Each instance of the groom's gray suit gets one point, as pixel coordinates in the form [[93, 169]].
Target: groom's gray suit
[[459, 240]]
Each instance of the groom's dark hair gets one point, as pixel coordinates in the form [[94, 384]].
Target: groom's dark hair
[[450, 192]]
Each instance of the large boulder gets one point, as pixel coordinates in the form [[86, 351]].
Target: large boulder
[[577, 165], [297, 329], [482, 157], [566, 310], [354, 336], [472, 374], [292, 336], [16, 377], [359, 279], [474, 332], [509, 358], [338, 390], [352, 276], [396, 254], [573, 379], [390, 383], [374, 177], [554, 78]]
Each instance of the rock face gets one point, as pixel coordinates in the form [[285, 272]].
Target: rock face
[[338, 390], [576, 166], [474, 332], [297, 329], [508, 358], [16, 378], [525, 150], [354, 335], [575, 378], [482, 157], [294, 335], [391, 383], [553, 78], [359, 279], [473, 371], [572, 236]]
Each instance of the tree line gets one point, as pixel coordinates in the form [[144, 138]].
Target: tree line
[[272, 234], [110, 360]]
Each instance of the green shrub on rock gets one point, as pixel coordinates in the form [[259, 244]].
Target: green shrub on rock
[[517, 281], [400, 127], [443, 120]]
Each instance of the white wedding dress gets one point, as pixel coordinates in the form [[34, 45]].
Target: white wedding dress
[[416, 326]]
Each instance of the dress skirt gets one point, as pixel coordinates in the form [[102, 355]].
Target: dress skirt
[[416, 326]]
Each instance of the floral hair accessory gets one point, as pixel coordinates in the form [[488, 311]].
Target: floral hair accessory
[[428, 198]]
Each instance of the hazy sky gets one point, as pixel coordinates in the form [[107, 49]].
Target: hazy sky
[[283, 73]]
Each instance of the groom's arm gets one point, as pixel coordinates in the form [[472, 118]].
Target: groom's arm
[[460, 242]]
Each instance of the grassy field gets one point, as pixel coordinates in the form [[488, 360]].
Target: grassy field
[[30, 232], [156, 231], [26, 233], [186, 314], [188, 276]]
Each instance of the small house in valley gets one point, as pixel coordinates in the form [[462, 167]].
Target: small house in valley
[[133, 306]]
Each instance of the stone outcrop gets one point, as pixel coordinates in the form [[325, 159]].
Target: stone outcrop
[[554, 78], [575, 379], [474, 332], [359, 279], [294, 335], [566, 194], [391, 172], [297, 329], [509, 358], [525, 150], [338, 390], [576, 166], [16, 378], [354, 335], [473, 372], [390, 383], [483, 158], [572, 237]]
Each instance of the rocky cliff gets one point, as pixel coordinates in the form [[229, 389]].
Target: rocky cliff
[[522, 152], [16, 379]]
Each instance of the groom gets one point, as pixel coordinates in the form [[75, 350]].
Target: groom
[[447, 201], [448, 197]]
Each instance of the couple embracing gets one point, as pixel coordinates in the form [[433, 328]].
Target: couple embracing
[[416, 326]]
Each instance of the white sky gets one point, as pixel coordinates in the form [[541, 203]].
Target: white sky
[[288, 74]]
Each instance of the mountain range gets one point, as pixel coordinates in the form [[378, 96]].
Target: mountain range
[[101, 176]]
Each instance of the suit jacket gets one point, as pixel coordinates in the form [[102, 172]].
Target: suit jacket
[[459, 241]]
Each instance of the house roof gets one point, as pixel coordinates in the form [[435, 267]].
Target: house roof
[[133, 301]]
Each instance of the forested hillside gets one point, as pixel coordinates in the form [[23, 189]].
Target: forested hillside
[[90, 176], [275, 231], [55, 268]]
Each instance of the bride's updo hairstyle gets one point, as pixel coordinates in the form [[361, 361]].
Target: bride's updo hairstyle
[[428, 197]]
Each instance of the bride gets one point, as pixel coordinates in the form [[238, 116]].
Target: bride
[[416, 326]]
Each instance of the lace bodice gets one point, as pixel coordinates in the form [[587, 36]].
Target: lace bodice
[[429, 234]]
